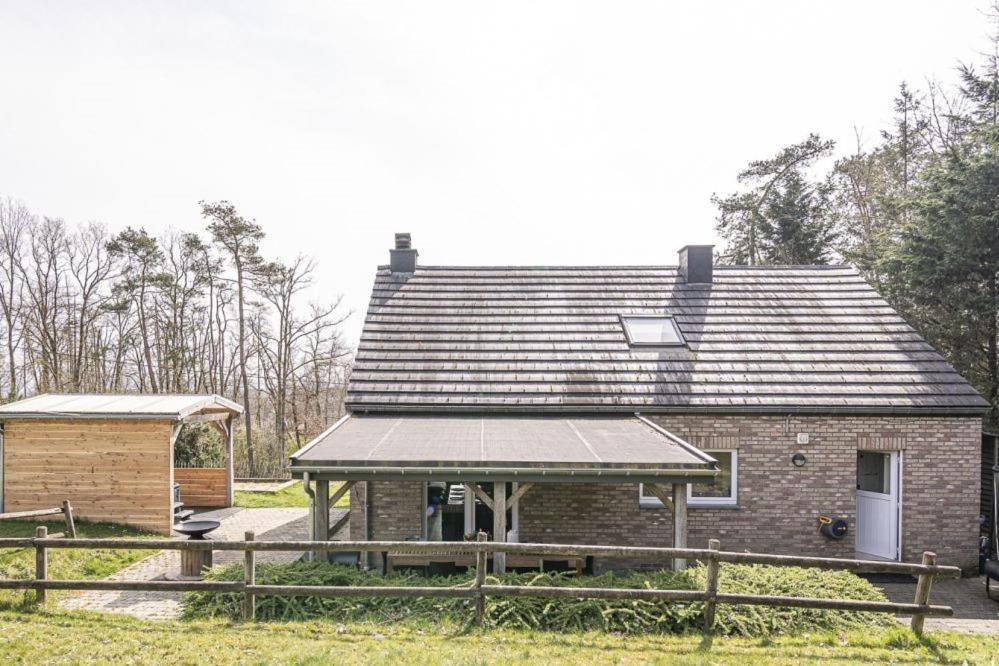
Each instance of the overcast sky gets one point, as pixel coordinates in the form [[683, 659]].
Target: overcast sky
[[496, 133]]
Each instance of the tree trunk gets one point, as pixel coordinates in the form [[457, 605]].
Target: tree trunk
[[247, 418], [993, 346]]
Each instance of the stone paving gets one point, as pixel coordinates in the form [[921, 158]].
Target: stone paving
[[973, 612], [278, 524]]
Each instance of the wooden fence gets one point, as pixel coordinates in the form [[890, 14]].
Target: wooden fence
[[66, 511], [478, 590]]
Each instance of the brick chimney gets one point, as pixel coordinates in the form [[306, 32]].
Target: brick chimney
[[403, 256], [696, 264]]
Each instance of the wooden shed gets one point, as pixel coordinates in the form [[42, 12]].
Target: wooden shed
[[112, 456]]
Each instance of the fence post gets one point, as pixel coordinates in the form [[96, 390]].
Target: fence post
[[711, 586], [480, 579], [923, 586], [41, 563], [249, 578], [67, 512]]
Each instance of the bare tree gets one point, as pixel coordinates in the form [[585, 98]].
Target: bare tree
[[85, 310], [15, 221], [240, 239], [91, 267], [281, 346]]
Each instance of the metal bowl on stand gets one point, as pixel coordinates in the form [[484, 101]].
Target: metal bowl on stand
[[197, 529], [194, 561]]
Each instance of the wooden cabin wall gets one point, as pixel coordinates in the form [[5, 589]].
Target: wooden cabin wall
[[111, 470], [203, 486]]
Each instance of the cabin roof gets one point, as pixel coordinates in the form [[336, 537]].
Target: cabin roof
[[114, 406]]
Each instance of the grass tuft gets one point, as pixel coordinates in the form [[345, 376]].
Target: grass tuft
[[65, 563], [292, 496]]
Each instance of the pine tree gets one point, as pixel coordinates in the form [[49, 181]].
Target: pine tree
[[781, 217]]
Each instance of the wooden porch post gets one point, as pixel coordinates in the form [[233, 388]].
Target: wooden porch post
[[229, 464], [679, 521], [469, 502], [499, 524], [321, 529]]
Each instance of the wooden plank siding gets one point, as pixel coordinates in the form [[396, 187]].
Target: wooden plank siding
[[111, 470], [202, 486]]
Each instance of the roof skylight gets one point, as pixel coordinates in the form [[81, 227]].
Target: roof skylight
[[652, 331]]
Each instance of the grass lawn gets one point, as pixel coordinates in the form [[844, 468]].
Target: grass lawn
[[53, 637], [65, 563], [292, 496]]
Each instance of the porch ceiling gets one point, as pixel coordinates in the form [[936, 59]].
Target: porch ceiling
[[496, 448]]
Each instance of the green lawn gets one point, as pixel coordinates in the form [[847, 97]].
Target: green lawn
[[292, 496], [65, 563], [53, 637]]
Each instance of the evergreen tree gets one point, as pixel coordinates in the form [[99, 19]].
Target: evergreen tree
[[948, 257], [781, 218]]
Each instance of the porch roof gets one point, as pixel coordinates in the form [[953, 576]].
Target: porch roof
[[502, 448]]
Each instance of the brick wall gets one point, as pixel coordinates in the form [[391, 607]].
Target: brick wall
[[778, 503], [397, 512]]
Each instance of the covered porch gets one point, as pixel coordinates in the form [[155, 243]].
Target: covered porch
[[474, 471]]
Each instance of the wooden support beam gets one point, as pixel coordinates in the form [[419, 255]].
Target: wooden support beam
[[480, 493], [222, 427], [17, 515], [516, 495], [249, 579], [230, 466], [67, 512], [499, 525], [175, 433], [41, 563], [660, 494], [339, 525], [321, 518], [469, 512], [679, 521], [480, 579], [340, 492], [711, 588], [208, 417], [923, 585]]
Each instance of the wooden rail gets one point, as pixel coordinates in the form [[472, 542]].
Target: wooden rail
[[478, 590], [66, 510]]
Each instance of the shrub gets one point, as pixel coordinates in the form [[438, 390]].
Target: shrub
[[562, 615]]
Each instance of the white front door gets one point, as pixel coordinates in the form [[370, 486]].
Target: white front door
[[877, 503]]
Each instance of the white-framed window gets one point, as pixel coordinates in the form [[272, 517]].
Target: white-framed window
[[652, 331], [724, 491]]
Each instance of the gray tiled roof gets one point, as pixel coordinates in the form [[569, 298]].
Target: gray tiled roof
[[787, 338]]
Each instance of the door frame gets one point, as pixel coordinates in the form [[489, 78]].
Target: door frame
[[895, 481]]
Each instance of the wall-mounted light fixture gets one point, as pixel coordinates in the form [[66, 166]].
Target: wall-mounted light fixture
[[799, 459]]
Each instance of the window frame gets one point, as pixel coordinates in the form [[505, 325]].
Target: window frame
[[681, 341], [652, 502]]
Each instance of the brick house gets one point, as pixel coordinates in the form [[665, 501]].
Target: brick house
[[651, 405]]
